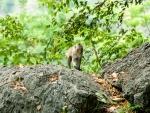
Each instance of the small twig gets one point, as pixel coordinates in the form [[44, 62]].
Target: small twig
[[96, 54]]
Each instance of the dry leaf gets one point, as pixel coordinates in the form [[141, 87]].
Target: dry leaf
[[39, 107], [117, 99], [53, 78], [100, 81], [112, 109]]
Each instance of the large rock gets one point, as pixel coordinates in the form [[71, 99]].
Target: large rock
[[132, 75], [48, 89]]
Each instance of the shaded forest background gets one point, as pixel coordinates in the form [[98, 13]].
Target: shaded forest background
[[39, 32]]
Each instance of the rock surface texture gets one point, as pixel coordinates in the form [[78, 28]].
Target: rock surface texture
[[131, 75], [48, 89]]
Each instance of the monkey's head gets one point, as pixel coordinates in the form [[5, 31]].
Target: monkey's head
[[78, 48]]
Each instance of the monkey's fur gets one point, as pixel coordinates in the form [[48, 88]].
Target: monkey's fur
[[74, 56]]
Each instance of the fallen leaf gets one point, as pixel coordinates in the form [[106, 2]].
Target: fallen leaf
[[39, 107]]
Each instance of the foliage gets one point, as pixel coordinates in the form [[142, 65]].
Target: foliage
[[138, 17], [44, 38], [129, 108], [11, 49]]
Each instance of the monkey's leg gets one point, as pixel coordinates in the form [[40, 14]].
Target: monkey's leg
[[79, 64], [69, 61]]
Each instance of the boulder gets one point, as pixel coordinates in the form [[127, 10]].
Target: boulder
[[131, 75], [48, 89]]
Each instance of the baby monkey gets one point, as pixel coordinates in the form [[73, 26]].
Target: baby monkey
[[74, 56]]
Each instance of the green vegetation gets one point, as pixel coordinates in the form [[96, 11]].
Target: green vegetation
[[129, 108], [43, 38]]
